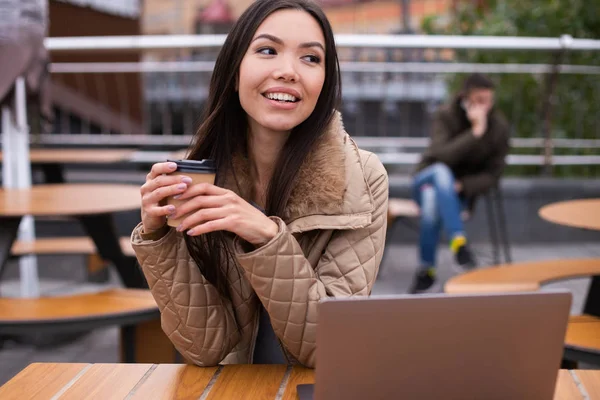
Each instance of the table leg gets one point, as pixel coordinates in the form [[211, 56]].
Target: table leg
[[592, 303], [147, 343], [104, 234], [53, 173], [9, 228]]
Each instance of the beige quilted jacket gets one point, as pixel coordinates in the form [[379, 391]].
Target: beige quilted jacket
[[330, 244]]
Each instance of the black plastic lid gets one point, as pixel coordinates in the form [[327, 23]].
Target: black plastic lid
[[193, 166]]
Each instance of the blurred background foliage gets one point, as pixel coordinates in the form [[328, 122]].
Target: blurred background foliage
[[575, 98]]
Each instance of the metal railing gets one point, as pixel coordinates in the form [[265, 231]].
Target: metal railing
[[388, 97], [155, 42]]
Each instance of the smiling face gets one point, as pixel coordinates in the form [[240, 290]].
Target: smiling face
[[283, 71]]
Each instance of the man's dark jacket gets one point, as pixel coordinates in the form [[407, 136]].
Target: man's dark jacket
[[476, 162]]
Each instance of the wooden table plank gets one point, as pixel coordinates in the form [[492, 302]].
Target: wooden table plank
[[583, 318], [109, 303], [298, 376], [252, 382], [141, 381], [40, 381], [575, 213], [584, 334], [566, 388], [590, 381], [521, 277], [175, 381], [77, 156], [107, 381], [69, 199]]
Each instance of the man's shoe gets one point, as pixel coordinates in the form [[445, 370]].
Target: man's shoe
[[424, 280], [464, 257]]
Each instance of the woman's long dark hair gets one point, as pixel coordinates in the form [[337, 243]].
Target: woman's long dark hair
[[224, 128]]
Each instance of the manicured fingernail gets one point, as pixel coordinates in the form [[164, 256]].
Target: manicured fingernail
[[181, 186], [171, 165], [177, 196], [186, 179], [190, 232], [180, 228], [171, 209]]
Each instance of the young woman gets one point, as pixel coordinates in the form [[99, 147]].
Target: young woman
[[297, 212]]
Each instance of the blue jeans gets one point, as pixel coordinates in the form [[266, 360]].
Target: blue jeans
[[441, 206]]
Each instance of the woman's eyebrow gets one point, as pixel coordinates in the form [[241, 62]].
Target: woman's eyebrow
[[279, 41]]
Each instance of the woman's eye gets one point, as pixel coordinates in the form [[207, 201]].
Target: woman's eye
[[313, 59], [268, 51]]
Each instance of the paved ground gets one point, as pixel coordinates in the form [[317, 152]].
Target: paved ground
[[65, 274]]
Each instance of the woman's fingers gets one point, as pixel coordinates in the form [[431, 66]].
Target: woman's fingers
[[157, 195], [163, 181], [205, 189], [199, 203], [215, 225], [160, 169], [156, 211], [203, 216]]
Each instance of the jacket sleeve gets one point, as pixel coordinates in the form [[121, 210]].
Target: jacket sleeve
[[479, 183], [200, 323], [445, 148], [348, 267]]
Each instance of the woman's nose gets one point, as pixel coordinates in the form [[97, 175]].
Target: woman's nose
[[286, 70]]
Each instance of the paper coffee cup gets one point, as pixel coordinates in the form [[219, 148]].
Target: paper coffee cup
[[203, 171]]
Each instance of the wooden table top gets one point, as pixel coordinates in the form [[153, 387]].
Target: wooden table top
[[575, 213], [174, 381], [104, 304], [521, 277], [77, 156], [69, 199]]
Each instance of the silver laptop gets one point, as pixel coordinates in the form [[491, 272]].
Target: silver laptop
[[503, 346]]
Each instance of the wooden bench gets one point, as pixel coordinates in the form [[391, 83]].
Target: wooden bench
[[582, 341], [401, 208], [398, 210], [64, 245], [96, 267], [134, 310]]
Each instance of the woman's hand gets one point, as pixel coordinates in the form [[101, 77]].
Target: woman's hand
[[212, 208], [156, 189]]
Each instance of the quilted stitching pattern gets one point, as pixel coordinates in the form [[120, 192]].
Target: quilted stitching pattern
[[290, 287], [289, 275], [201, 324]]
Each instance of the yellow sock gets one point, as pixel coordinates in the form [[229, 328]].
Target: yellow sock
[[457, 242]]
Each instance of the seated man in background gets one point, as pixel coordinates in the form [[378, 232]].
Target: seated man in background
[[466, 157]]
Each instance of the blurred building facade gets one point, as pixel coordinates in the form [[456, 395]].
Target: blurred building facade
[[374, 104], [93, 102]]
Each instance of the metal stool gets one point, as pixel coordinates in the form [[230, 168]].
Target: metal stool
[[494, 201]]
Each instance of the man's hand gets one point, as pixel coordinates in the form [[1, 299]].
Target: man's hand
[[458, 186], [478, 117]]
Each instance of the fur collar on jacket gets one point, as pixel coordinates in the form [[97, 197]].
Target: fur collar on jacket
[[320, 183]]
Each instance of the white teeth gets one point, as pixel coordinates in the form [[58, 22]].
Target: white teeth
[[281, 96]]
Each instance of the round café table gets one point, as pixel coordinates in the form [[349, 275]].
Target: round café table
[[51, 161], [574, 213], [92, 204], [584, 214]]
